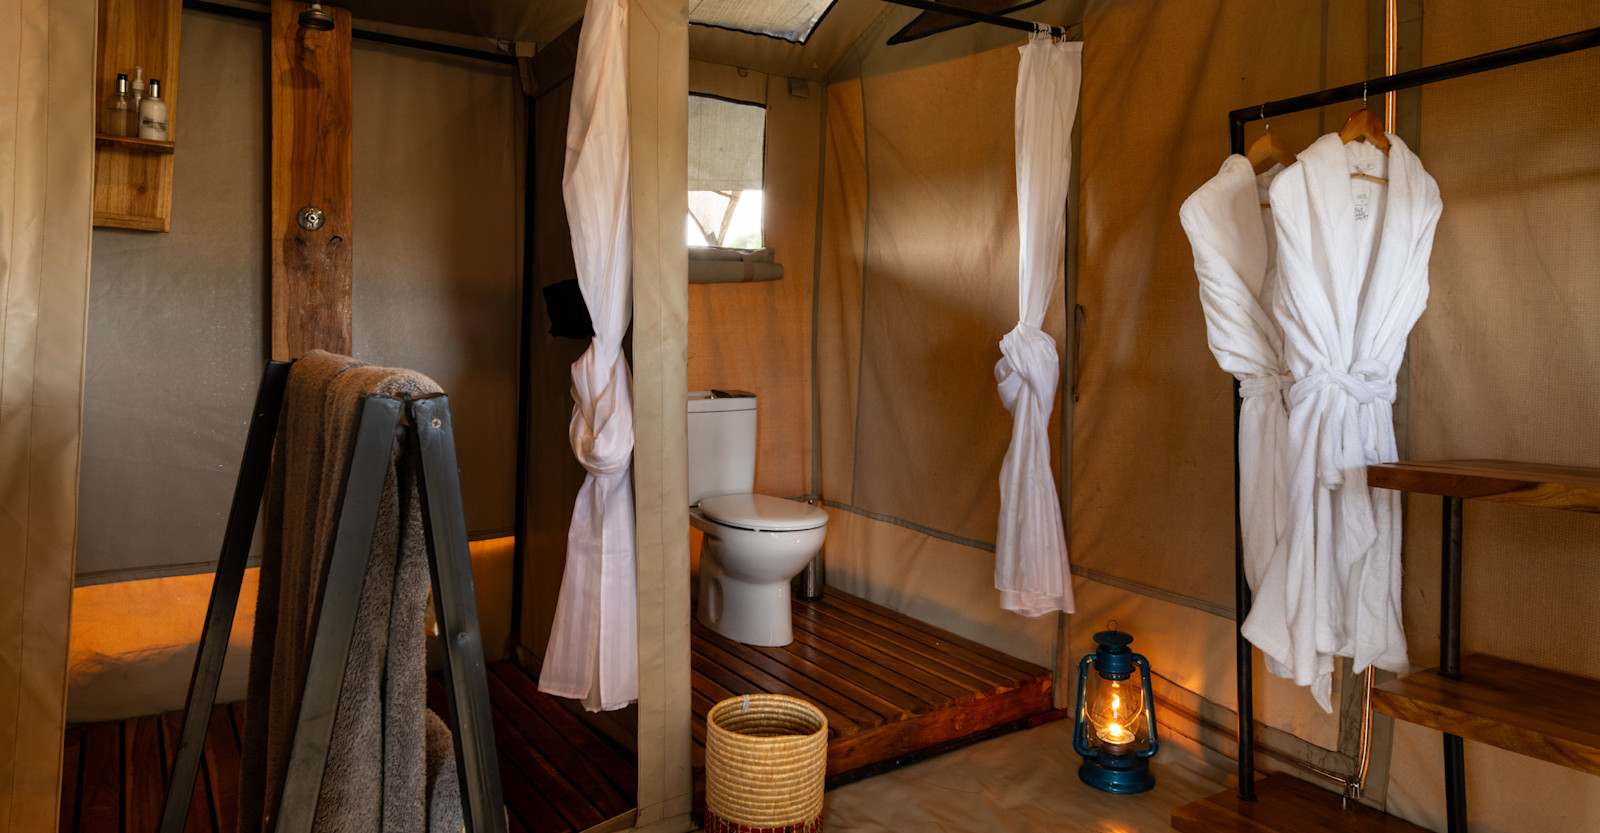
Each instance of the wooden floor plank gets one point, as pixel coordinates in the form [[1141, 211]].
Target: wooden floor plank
[[994, 666], [946, 664], [199, 817], [711, 660], [1284, 804], [523, 799], [732, 655], [927, 688], [100, 807], [71, 777], [222, 768], [618, 768], [590, 783], [551, 782], [900, 620], [142, 790], [871, 682]]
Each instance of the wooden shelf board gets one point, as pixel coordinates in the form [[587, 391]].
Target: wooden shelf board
[[1532, 484], [1533, 711], [1284, 804], [135, 143]]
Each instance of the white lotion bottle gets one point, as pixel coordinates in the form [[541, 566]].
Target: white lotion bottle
[[153, 114]]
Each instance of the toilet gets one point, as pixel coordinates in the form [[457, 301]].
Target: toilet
[[754, 543]]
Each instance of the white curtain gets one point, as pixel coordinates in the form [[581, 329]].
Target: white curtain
[[593, 650], [1031, 569], [47, 121]]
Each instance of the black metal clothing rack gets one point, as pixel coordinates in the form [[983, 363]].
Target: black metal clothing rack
[[423, 423], [1450, 604]]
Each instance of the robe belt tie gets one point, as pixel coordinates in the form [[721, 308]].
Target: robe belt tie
[[1367, 382], [1341, 442], [1267, 384]]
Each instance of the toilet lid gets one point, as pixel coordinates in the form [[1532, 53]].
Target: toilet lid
[[762, 512]]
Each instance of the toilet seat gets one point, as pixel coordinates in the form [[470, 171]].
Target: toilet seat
[[762, 513]]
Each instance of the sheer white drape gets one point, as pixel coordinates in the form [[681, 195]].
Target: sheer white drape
[[1031, 569], [593, 649]]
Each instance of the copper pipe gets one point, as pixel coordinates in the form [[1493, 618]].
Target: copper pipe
[[1391, 60]]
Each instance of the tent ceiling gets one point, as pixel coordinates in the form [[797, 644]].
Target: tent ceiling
[[542, 21]]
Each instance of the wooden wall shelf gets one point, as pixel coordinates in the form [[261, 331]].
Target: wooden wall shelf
[[134, 143], [133, 177], [1534, 711], [1529, 484]]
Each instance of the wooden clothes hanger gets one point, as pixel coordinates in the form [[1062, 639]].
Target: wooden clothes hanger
[[1365, 125], [1268, 149]]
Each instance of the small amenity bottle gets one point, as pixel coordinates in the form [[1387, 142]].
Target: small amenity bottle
[[120, 117], [136, 87], [153, 114]]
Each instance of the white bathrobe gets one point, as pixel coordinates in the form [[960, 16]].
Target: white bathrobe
[[1234, 246], [1353, 279]]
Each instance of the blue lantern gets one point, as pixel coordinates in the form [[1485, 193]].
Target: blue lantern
[[1116, 727]]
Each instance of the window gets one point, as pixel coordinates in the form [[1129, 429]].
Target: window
[[791, 20], [727, 148]]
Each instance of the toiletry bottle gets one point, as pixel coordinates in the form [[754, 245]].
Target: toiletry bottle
[[120, 117], [136, 87], [153, 114]]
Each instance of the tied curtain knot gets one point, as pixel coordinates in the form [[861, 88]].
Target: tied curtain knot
[[1027, 360], [602, 414]]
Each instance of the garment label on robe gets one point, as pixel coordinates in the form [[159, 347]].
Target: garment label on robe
[[1363, 201]]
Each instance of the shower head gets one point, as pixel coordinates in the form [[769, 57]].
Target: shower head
[[316, 19]]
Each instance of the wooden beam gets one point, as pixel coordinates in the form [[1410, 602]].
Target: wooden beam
[[311, 270]]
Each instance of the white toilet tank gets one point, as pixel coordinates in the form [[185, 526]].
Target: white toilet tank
[[722, 444]]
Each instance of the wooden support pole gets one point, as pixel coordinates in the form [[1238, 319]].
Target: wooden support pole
[[311, 269]]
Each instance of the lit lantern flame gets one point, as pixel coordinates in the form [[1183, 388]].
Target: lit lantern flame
[[1116, 711]]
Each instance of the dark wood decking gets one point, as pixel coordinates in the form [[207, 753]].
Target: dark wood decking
[[889, 685], [557, 775]]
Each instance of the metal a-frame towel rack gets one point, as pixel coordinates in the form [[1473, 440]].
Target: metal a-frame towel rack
[[1450, 599], [423, 423]]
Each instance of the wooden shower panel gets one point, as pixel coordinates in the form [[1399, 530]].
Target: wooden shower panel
[[890, 686], [311, 117]]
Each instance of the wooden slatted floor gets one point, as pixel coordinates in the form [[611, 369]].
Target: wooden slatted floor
[[557, 775], [890, 686]]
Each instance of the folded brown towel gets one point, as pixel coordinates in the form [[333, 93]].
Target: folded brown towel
[[376, 777]]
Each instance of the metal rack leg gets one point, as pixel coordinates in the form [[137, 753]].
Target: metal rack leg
[[1455, 775], [247, 492], [1243, 660], [465, 682], [334, 622]]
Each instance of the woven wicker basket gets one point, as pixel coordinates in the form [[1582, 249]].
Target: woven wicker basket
[[766, 756]]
